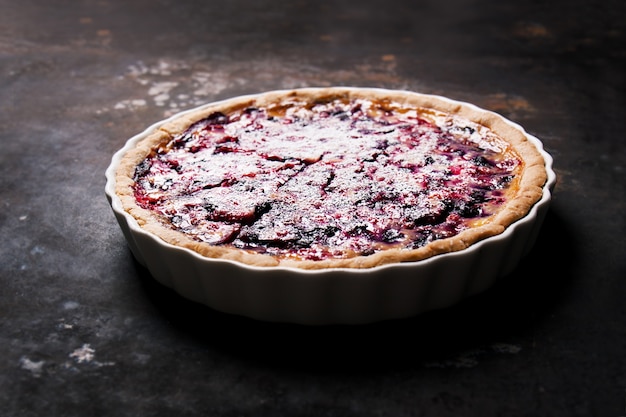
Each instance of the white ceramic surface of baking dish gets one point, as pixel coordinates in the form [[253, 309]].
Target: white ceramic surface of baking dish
[[331, 296]]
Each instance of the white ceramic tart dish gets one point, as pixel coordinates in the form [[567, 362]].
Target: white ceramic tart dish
[[339, 205]]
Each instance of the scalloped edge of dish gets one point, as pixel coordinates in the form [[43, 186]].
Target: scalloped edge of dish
[[332, 296]]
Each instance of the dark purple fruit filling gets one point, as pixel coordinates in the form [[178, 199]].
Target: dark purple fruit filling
[[338, 179]]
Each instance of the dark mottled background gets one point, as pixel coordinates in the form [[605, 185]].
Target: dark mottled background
[[85, 332]]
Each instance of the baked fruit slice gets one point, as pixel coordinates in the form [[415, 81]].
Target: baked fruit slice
[[324, 179]]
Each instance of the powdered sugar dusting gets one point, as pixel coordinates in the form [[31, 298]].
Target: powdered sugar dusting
[[86, 354], [176, 85], [83, 354], [35, 367], [340, 179]]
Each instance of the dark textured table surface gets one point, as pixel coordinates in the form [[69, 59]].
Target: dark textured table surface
[[85, 332]]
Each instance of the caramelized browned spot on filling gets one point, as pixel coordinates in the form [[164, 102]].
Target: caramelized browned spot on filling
[[331, 180]]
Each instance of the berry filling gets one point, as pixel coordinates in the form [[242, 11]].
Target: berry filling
[[333, 179]]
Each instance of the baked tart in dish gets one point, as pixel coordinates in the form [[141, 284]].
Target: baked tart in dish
[[330, 205]]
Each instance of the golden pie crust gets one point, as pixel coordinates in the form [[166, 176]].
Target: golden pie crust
[[525, 190]]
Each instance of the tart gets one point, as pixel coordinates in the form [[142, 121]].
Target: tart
[[325, 182]]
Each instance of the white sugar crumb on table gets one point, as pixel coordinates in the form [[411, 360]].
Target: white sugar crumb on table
[[35, 367], [83, 354]]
